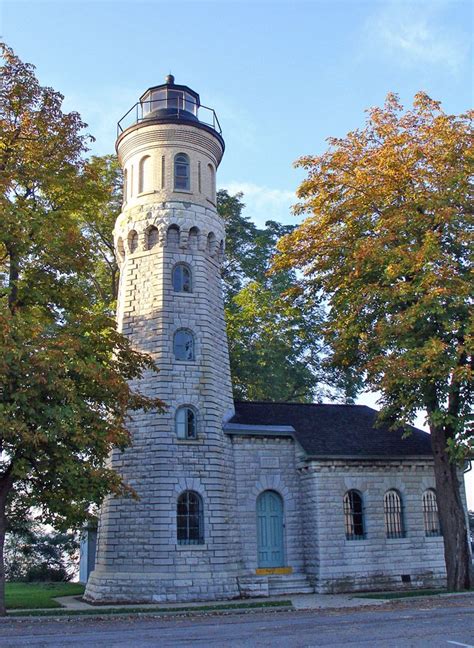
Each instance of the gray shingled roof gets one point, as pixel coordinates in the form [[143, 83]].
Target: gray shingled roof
[[333, 430]]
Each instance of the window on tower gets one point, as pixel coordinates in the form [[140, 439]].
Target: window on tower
[[186, 422], [190, 519], [143, 173], [182, 278], [181, 172], [183, 345]]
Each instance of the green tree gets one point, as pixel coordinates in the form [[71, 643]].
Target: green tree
[[389, 246], [276, 349], [268, 325], [34, 554], [103, 176], [64, 370]]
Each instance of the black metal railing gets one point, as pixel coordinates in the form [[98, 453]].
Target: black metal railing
[[178, 108]]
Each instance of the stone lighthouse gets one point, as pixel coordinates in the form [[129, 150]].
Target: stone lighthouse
[[177, 542]]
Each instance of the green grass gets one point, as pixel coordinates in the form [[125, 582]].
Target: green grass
[[399, 595], [101, 611], [38, 595]]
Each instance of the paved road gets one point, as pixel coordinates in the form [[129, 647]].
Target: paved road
[[422, 624]]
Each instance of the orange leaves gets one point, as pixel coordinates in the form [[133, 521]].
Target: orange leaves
[[389, 244]]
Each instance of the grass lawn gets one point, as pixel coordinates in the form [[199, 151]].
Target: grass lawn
[[38, 595], [405, 594]]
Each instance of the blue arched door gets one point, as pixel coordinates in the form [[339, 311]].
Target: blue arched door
[[270, 529]]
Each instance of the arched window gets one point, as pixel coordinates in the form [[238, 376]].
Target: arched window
[[181, 172], [182, 278], [186, 422], [133, 241], [212, 182], [211, 243], [392, 503], [190, 519], [172, 236], [353, 515], [143, 170], [120, 249], [152, 237], [193, 238], [183, 345], [430, 513]]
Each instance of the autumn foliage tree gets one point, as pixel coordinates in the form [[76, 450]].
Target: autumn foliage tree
[[275, 346], [388, 248], [64, 370]]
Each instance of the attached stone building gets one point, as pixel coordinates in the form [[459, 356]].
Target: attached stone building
[[236, 499]]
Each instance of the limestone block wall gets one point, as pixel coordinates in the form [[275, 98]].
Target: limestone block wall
[[147, 156], [336, 564], [267, 464], [138, 557]]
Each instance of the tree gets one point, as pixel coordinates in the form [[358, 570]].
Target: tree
[[387, 246], [34, 554], [269, 325], [64, 369], [105, 186]]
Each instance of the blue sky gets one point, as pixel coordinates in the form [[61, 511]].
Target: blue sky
[[282, 75]]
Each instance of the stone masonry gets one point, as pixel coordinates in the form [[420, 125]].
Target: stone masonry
[[138, 557], [231, 464]]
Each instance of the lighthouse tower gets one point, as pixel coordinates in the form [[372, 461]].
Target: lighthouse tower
[[176, 542]]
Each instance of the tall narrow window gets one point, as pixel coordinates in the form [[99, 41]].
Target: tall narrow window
[[143, 171], [393, 514], [125, 186], [186, 423], [212, 183], [199, 177], [190, 519], [183, 345], [181, 172], [353, 515], [430, 513], [182, 278], [163, 171]]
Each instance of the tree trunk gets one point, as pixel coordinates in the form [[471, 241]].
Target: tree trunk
[[452, 515], [5, 486]]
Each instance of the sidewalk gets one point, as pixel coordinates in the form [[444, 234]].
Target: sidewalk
[[297, 601], [76, 606]]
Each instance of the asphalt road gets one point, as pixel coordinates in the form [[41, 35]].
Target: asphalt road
[[423, 623]]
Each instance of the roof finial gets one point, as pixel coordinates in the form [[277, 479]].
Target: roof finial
[[169, 79]]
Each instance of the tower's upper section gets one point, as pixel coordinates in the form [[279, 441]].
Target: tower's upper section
[[169, 146]]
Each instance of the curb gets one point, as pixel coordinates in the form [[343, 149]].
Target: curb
[[121, 614]]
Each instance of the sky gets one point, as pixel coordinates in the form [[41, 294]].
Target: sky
[[283, 76]]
